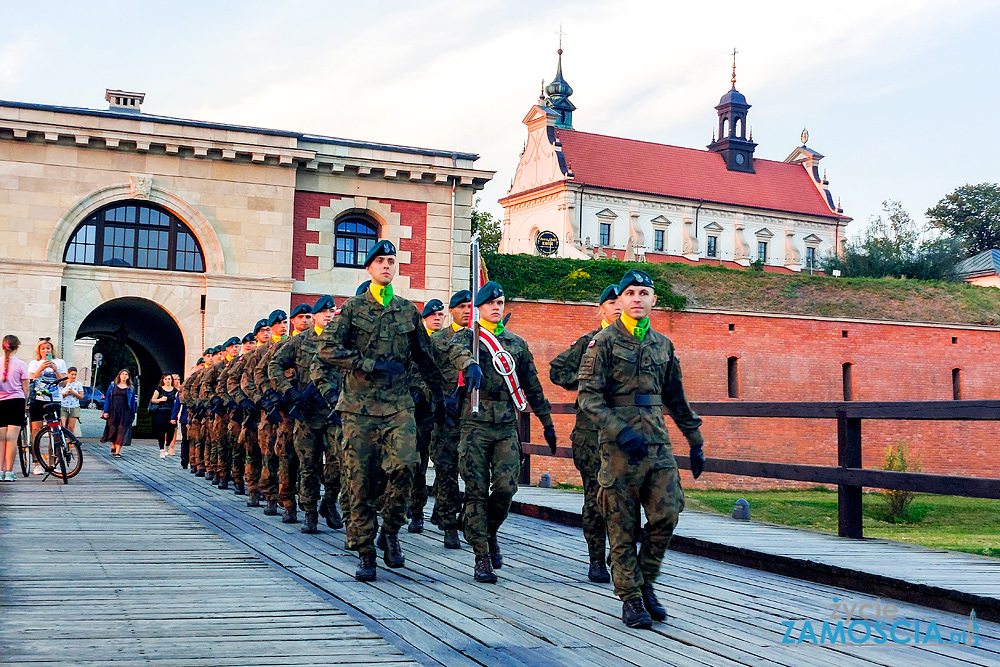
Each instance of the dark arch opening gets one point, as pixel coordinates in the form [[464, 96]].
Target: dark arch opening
[[149, 333]]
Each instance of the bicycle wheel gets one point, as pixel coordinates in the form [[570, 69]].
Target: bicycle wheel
[[43, 449], [73, 454], [22, 452]]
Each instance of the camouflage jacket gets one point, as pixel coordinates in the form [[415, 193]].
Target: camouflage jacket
[[189, 390], [296, 354], [222, 381], [233, 391], [441, 341], [366, 332], [248, 387], [616, 368], [564, 371], [495, 404], [207, 390], [260, 376]]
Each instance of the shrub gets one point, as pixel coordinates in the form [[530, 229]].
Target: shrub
[[897, 503]]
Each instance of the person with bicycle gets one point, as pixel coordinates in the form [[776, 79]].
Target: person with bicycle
[[47, 373], [13, 390], [119, 411]]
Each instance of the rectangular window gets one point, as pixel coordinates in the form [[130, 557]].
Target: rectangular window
[[605, 233], [810, 258], [713, 246], [658, 240], [848, 382], [956, 383], [762, 250], [733, 372]]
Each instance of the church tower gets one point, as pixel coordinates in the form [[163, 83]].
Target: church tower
[[558, 92], [732, 143]]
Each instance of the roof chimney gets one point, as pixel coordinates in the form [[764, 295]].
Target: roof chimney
[[120, 100]]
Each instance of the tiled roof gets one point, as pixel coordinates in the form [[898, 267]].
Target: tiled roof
[[689, 173], [986, 263]]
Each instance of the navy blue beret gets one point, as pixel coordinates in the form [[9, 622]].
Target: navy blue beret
[[301, 309], [634, 277], [232, 341], [460, 297], [363, 287], [248, 338], [383, 247], [488, 292], [325, 302], [610, 293], [431, 307], [260, 325], [275, 317]]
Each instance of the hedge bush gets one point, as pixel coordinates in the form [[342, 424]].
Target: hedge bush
[[531, 277]]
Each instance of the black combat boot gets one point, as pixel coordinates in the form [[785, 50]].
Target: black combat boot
[[634, 614], [484, 573], [656, 610], [451, 539], [239, 489], [312, 518], [272, 508], [193, 470], [329, 511], [224, 485], [198, 472], [380, 540], [393, 553], [598, 571], [290, 515], [209, 476], [253, 500], [366, 568], [495, 556], [416, 522]]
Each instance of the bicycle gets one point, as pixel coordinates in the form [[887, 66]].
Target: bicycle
[[65, 454]]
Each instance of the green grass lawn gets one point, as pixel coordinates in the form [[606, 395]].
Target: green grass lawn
[[945, 522]]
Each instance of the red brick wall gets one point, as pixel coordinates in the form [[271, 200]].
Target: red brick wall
[[786, 359], [411, 214]]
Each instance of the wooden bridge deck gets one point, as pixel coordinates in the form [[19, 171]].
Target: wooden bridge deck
[[543, 610]]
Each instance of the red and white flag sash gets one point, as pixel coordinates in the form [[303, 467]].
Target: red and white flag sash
[[503, 362]]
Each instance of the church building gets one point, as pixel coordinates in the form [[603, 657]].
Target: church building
[[583, 195]]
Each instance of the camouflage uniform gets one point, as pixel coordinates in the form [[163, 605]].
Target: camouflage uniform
[[280, 459], [444, 443], [213, 423], [255, 431], [624, 382], [586, 447], [310, 438], [376, 407], [230, 382], [334, 484], [189, 397], [489, 452], [423, 417]]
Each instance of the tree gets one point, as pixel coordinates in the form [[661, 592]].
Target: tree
[[971, 214], [490, 229], [893, 245]]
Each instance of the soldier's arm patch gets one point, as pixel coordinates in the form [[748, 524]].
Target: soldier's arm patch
[[591, 344]]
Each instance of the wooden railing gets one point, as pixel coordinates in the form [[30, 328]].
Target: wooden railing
[[848, 474]]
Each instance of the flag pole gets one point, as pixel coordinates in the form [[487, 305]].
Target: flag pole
[[474, 316]]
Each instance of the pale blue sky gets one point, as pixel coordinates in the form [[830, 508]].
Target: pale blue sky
[[900, 95]]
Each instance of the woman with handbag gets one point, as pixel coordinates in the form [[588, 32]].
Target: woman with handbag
[[161, 409], [119, 411]]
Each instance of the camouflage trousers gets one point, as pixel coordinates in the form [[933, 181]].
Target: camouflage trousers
[[424, 420], [444, 454], [266, 434], [236, 453], [655, 485], [587, 459], [489, 457], [194, 443], [333, 455], [311, 445], [219, 456], [251, 456], [373, 444], [287, 461]]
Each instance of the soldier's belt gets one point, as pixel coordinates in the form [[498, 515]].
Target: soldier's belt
[[640, 400]]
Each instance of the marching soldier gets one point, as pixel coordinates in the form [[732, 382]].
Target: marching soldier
[[444, 441], [188, 397], [221, 451], [310, 433], [423, 414], [489, 452], [210, 432], [229, 381], [257, 427], [628, 374], [586, 446], [374, 339], [200, 437]]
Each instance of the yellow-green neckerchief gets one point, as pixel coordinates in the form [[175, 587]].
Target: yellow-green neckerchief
[[637, 327]]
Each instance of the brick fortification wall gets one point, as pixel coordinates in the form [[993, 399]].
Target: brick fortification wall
[[798, 359]]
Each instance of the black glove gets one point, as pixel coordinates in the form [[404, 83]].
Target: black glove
[[331, 397], [296, 414], [312, 397], [334, 418], [440, 413], [473, 376], [293, 396], [452, 407], [217, 402], [419, 400], [633, 444], [550, 438], [273, 397], [248, 407], [274, 416], [389, 367], [231, 405], [697, 461]]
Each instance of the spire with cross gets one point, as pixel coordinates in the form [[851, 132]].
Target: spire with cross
[[558, 92]]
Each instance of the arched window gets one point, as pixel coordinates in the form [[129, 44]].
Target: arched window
[[138, 235], [354, 238]]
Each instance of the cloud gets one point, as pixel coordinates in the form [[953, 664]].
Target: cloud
[[12, 58]]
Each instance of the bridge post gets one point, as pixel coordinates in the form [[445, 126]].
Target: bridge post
[[524, 435], [849, 496]]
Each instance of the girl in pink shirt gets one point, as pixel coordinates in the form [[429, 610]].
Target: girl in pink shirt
[[13, 390]]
